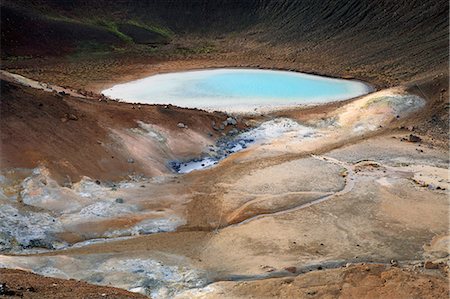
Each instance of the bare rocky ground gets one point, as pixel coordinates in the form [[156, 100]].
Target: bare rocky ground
[[343, 200], [353, 187]]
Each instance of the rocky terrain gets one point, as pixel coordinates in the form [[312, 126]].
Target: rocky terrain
[[347, 199]]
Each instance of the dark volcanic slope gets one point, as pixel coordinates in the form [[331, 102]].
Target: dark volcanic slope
[[396, 38]]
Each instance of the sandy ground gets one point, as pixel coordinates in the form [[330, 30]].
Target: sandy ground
[[354, 190], [353, 281]]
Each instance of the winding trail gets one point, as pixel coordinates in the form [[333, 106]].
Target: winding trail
[[349, 184]]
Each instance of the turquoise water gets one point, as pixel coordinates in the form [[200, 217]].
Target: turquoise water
[[236, 90]]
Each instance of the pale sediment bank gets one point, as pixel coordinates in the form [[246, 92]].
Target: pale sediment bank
[[237, 90]]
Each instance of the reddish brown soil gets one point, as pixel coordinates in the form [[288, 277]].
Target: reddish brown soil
[[36, 131], [361, 281], [22, 284]]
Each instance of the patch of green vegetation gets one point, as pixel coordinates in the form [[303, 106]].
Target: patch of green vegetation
[[108, 25], [113, 28], [61, 18], [200, 49], [91, 47], [160, 30]]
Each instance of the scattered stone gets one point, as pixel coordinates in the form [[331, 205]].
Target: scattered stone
[[414, 138], [119, 200], [394, 263], [431, 265], [311, 293], [231, 121], [5, 291], [130, 160], [288, 280], [210, 134], [268, 268], [233, 132], [181, 125], [71, 116], [63, 119]]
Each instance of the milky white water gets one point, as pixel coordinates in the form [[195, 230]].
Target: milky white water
[[236, 90]]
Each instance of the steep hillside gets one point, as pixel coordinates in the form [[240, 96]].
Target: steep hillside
[[397, 39]]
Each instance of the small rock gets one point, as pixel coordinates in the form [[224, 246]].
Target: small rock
[[394, 263], [291, 269], [119, 200], [414, 138], [181, 125], [130, 160], [231, 121], [233, 132], [71, 116], [431, 265], [311, 293], [268, 268]]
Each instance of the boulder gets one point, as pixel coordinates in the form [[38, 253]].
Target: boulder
[[431, 265], [414, 138], [291, 269], [231, 121]]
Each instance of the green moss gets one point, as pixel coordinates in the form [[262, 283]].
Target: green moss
[[195, 50], [160, 30], [113, 28], [60, 18], [89, 48]]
